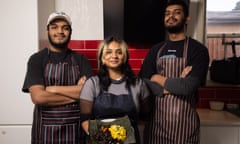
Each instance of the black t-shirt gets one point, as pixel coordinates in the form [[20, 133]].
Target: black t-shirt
[[37, 62]]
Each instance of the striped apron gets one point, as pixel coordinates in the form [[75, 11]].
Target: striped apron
[[58, 124], [175, 120], [108, 105]]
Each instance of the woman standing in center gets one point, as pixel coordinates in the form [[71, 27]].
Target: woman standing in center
[[116, 81]]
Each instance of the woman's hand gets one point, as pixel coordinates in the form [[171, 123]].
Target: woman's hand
[[85, 126]]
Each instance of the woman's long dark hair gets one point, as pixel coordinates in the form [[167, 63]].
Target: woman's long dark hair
[[125, 68]]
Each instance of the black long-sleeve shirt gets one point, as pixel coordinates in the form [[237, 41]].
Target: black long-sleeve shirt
[[197, 57]]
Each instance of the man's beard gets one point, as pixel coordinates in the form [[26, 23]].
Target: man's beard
[[59, 45], [177, 28]]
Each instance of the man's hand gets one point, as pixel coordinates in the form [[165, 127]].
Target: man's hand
[[161, 79], [186, 71], [71, 91]]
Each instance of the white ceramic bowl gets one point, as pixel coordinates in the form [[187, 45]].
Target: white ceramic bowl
[[232, 106], [216, 105]]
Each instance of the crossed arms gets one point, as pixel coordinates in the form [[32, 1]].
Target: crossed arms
[[56, 95]]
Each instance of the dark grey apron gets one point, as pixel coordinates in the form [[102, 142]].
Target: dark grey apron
[[58, 124], [175, 120], [107, 105]]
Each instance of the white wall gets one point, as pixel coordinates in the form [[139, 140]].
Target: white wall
[[87, 18], [19, 40]]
